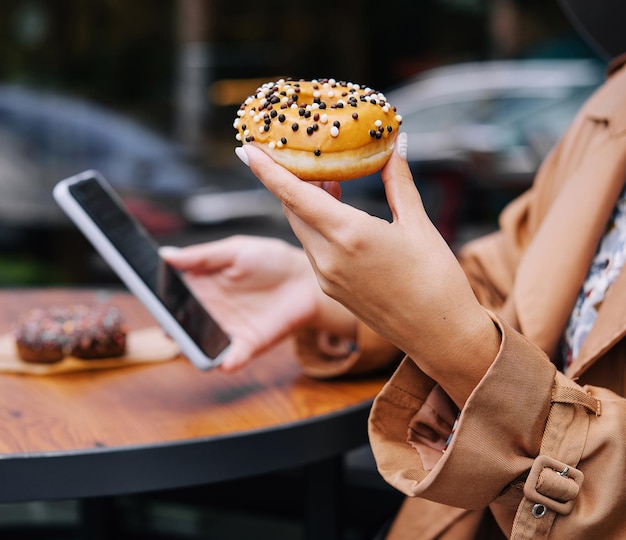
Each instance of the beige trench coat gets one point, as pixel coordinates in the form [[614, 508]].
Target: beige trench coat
[[525, 422]]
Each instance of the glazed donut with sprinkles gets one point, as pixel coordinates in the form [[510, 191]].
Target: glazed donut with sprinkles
[[320, 129]]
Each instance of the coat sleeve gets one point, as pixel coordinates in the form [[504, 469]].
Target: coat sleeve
[[371, 353], [513, 436]]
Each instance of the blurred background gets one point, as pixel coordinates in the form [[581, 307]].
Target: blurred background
[[146, 92]]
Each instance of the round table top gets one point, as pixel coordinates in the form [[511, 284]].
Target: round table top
[[163, 425]]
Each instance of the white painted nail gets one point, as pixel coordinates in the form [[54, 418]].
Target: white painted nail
[[402, 145], [164, 251], [242, 155]]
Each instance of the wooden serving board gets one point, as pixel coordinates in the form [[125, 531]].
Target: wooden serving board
[[146, 345]]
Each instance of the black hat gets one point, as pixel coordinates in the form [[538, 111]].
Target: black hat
[[600, 23]]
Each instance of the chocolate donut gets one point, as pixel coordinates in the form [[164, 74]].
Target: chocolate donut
[[46, 336], [320, 129]]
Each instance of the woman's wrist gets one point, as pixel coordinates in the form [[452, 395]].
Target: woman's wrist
[[463, 355]]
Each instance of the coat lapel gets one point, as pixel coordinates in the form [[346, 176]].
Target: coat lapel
[[610, 324], [589, 180]]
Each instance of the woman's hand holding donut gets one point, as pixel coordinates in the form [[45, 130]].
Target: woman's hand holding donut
[[259, 290], [400, 278]]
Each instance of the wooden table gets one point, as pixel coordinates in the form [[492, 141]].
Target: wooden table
[[160, 426]]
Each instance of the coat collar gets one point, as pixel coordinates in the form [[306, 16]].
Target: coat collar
[[616, 64], [606, 106]]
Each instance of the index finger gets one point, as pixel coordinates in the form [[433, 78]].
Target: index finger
[[311, 204]]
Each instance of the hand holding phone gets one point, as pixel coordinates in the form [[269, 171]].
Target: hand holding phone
[[95, 208]]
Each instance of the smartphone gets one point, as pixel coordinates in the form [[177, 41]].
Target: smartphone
[[97, 210]]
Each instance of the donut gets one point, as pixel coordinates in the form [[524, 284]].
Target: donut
[[320, 129], [47, 336]]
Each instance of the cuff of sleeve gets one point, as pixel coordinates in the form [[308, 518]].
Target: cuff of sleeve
[[499, 429], [369, 354]]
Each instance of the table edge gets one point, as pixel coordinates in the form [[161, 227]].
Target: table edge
[[106, 471]]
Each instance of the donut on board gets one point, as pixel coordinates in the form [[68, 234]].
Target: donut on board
[[320, 129], [46, 336]]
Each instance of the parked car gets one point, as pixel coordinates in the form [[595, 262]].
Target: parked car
[[513, 111], [477, 132], [46, 137]]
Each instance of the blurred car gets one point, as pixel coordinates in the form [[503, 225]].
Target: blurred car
[[45, 137], [479, 131], [513, 111]]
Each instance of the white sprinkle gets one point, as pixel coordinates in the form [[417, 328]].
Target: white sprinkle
[[249, 100], [261, 129], [334, 131], [263, 102], [279, 144], [272, 145], [294, 106], [246, 133], [257, 118], [238, 137], [236, 122], [378, 123], [386, 108], [324, 119], [331, 93], [241, 112], [398, 118], [316, 94], [315, 106]]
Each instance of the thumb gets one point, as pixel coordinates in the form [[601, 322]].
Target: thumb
[[402, 195], [237, 356], [206, 257]]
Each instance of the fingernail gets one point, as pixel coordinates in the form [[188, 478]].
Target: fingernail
[[164, 251], [242, 155], [402, 145]]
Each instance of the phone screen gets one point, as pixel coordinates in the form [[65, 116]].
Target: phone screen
[[141, 252]]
